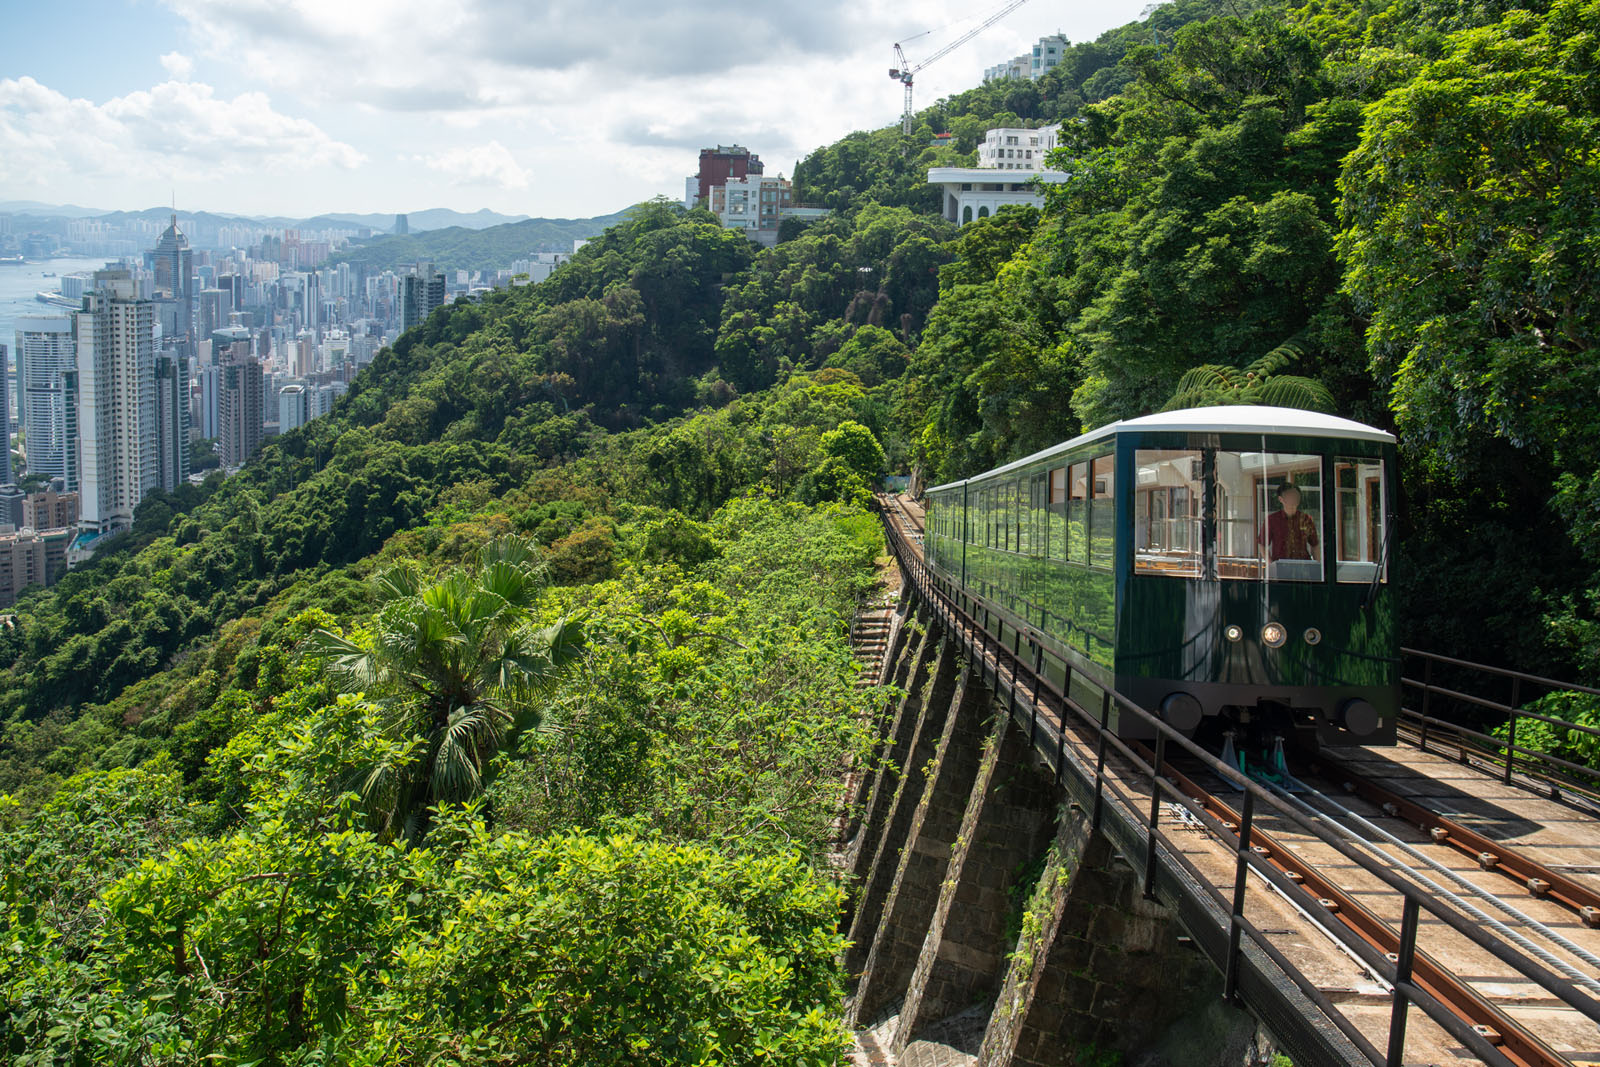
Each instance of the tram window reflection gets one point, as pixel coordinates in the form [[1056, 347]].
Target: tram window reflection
[[1166, 512], [1358, 485], [1269, 516], [1058, 513], [1103, 518], [1078, 514]]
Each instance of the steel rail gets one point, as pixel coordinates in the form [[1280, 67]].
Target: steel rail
[[994, 656], [1511, 864], [1319, 891]]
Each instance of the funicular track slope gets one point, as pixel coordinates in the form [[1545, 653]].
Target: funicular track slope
[[1337, 945]]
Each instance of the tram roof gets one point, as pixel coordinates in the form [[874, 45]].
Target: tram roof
[[1230, 418]]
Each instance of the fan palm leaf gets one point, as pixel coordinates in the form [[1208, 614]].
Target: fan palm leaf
[[456, 660]]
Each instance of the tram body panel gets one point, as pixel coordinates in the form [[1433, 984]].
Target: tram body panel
[[1139, 556]]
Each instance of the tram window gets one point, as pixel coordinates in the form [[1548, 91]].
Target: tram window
[[1269, 516], [1078, 513], [1359, 489], [1057, 513], [1041, 528], [1166, 512], [1021, 514], [1103, 516]]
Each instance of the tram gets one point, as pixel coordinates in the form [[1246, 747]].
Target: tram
[[1225, 567]]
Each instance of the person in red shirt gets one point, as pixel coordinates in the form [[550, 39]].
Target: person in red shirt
[[1291, 533]]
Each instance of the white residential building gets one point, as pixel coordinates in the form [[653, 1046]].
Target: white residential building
[[1046, 54], [117, 435], [977, 192], [1016, 68], [1012, 149], [47, 395], [293, 407], [756, 205], [539, 265]]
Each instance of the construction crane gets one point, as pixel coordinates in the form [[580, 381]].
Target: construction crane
[[903, 72]]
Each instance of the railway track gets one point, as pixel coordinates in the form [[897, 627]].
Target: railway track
[[1495, 992], [1490, 995]]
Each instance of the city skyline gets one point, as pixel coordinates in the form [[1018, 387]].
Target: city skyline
[[298, 108]]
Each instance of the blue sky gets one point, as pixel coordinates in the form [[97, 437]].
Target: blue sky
[[557, 108]]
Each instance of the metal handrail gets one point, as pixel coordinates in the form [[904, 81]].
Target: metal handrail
[[1536, 760], [993, 655]]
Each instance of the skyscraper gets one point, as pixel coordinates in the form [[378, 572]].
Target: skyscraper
[[116, 401], [47, 395], [173, 263], [421, 291], [6, 475], [172, 420], [293, 409], [239, 416]]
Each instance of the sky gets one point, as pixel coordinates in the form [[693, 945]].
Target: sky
[[556, 108]]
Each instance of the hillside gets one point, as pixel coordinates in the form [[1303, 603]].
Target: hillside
[[490, 248], [249, 734]]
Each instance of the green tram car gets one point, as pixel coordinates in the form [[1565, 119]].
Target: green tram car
[[1226, 567]]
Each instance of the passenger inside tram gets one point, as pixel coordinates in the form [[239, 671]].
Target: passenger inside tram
[[1268, 512], [1290, 534]]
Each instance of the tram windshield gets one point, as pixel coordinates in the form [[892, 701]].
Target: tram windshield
[[1258, 516], [1269, 516]]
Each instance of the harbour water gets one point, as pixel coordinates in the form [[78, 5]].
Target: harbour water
[[19, 284]]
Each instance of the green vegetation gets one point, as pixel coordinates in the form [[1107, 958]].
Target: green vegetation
[[498, 716]]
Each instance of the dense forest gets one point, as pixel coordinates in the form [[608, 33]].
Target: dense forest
[[499, 715]]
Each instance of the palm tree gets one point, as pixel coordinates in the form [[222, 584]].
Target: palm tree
[[457, 662], [1260, 383]]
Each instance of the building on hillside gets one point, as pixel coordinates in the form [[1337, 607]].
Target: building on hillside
[[49, 510], [1014, 149], [977, 192], [239, 410], [116, 402], [1046, 55], [538, 266], [757, 206], [31, 557], [719, 165], [421, 291], [402, 225], [1015, 69], [294, 408], [172, 420]]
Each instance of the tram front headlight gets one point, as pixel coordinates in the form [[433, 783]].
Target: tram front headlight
[[1233, 633], [1313, 635], [1273, 635]]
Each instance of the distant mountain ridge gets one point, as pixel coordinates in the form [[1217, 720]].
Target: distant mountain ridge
[[490, 248], [437, 218]]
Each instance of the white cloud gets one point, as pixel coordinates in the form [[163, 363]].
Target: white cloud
[[173, 129], [500, 103], [485, 164], [178, 65]]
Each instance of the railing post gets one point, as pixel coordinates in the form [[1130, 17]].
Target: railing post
[[1402, 977], [1100, 756], [1033, 704], [1427, 698], [1241, 872], [1155, 818], [1511, 727]]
